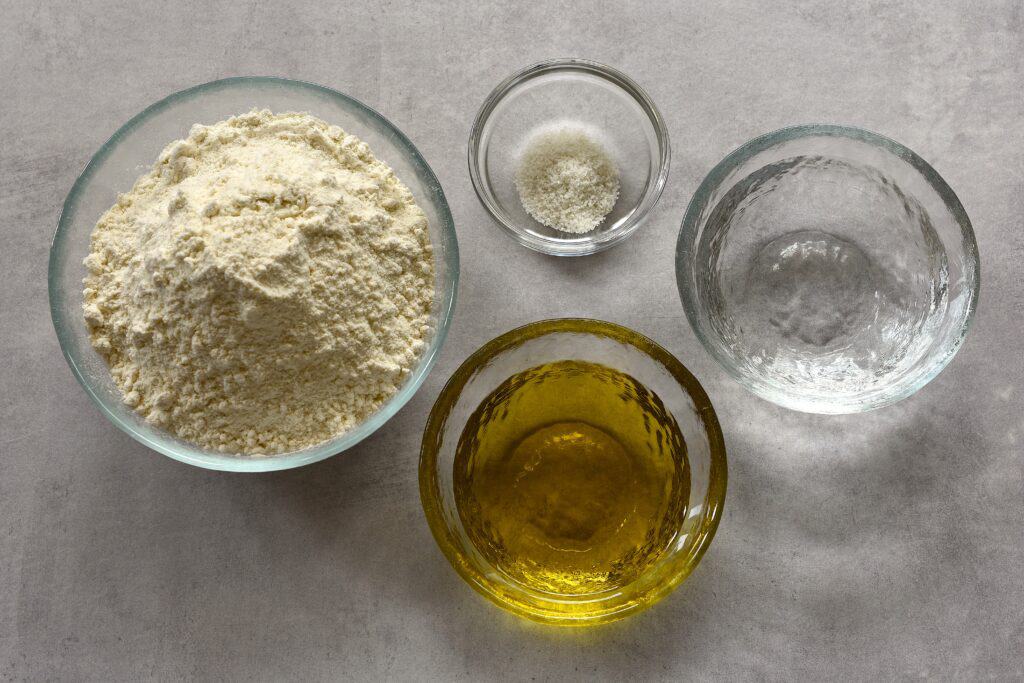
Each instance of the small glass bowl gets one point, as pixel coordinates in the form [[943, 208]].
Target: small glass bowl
[[579, 94], [615, 347], [828, 269], [133, 149]]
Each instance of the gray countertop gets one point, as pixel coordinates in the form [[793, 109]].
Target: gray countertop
[[886, 544]]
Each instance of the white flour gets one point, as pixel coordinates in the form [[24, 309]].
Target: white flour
[[264, 288]]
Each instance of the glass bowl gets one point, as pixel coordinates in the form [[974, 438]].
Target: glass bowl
[[134, 148], [828, 269], [596, 98], [620, 349]]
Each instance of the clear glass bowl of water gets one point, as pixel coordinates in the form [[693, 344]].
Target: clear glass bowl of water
[[828, 269]]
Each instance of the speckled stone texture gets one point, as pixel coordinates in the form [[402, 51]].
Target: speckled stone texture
[[889, 544]]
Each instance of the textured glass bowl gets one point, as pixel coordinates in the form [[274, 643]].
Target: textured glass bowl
[[597, 342], [597, 98], [828, 269], [132, 151]]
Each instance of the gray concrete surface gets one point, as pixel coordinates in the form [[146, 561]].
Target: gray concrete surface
[[888, 545]]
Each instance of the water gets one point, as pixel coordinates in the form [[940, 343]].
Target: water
[[823, 278]]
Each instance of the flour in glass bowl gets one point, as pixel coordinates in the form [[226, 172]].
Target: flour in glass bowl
[[266, 287]]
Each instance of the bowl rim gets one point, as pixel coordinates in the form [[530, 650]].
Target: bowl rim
[[189, 453], [685, 247], [650, 197], [608, 606]]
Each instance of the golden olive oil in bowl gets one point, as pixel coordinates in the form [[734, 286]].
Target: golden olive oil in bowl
[[573, 471], [571, 478]]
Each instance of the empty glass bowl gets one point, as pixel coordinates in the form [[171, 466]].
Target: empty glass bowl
[[132, 151], [828, 269], [615, 347], [578, 94]]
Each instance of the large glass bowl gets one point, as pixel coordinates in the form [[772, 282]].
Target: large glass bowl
[[828, 269], [579, 94], [134, 148], [621, 349]]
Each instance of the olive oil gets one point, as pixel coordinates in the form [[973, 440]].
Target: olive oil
[[571, 478]]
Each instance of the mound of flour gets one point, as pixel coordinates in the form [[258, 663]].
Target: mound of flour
[[264, 288]]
